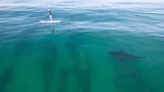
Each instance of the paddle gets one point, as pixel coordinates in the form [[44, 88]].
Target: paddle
[[45, 20]]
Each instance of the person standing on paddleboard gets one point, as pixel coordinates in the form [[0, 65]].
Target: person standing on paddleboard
[[50, 14]]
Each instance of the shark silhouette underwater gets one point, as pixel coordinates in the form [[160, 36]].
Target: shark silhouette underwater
[[121, 55]]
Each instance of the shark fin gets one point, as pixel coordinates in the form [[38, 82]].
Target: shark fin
[[120, 58]]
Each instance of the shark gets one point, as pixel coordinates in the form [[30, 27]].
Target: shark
[[121, 55]]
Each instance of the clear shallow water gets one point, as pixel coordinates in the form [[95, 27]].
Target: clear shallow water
[[73, 55]]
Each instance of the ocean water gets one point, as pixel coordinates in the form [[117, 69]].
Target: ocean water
[[72, 56]]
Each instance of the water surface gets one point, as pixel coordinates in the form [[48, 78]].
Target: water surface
[[73, 55]]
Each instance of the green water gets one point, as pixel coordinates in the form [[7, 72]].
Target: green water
[[73, 55]]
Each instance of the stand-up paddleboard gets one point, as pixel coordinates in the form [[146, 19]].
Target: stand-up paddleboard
[[54, 21]]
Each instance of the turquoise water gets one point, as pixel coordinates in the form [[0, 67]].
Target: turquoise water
[[72, 56]]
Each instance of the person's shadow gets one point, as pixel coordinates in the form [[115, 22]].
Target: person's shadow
[[52, 30]]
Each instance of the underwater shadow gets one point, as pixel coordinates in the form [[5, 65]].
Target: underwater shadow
[[48, 63], [6, 78], [81, 67]]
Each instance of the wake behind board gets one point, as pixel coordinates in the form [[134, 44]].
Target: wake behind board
[[54, 21]]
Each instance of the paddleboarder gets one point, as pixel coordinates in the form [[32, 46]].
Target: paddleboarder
[[50, 14]]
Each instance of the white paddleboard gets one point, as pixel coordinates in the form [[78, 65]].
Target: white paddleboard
[[54, 21]]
